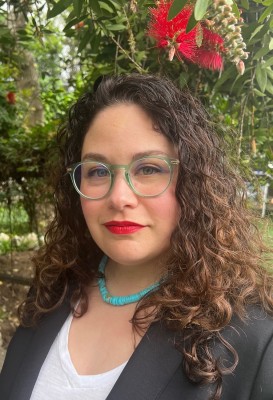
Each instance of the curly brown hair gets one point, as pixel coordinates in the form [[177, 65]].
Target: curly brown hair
[[215, 267]]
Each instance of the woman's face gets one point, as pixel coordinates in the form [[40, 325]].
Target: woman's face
[[117, 135]]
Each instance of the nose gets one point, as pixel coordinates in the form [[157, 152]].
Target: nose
[[121, 195]]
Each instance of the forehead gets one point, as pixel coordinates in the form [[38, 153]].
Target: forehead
[[122, 130]]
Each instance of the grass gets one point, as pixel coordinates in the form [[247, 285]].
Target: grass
[[266, 228]]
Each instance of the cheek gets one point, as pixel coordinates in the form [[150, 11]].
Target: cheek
[[84, 206], [168, 210], [88, 209]]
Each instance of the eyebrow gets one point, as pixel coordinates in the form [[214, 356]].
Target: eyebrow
[[136, 156]]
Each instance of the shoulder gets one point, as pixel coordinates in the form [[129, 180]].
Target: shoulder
[[252, 377], [27, 351], [252, 339], [255, 330], [14, 356]]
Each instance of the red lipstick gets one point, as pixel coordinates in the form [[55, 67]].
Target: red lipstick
[[123, 227]]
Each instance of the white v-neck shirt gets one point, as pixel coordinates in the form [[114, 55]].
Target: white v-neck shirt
[[58, 378]]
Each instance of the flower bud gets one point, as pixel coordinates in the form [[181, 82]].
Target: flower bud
[[171, 53], [231, 28], [240, 52], [133, 6], [209, 22], [232, 20], [240, 67]]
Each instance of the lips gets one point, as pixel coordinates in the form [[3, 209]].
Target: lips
[[123, 227]]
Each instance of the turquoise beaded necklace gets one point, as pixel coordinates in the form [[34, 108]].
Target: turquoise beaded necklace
[[120, 300]]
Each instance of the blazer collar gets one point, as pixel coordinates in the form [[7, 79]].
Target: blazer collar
[[150, 368], [146, 374]]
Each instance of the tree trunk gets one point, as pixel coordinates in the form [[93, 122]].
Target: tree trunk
[[28, 79]]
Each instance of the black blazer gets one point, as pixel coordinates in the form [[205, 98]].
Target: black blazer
[[154, 372]]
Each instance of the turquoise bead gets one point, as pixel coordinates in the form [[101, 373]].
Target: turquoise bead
[[120, 300]]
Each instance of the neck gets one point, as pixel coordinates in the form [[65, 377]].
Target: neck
[[124, 279]]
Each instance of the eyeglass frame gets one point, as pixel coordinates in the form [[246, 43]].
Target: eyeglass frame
[[171, 162]]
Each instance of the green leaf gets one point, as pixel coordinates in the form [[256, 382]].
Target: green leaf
[[111, 4], [269, 87], [34, 22], [106, 7], [74, 21], [269, 72], [200, 9], [95, 42], [266, 13], [84, 41], [266, 40], [255, 32], [175, 8], [268, 63], [270, 45], [245, 4], [71, 23], [235, 10], [228, 73], [261, 77], [77, 4], [261, 53], [116, 27], [58, 8], [183, 79], [95, 6], [258, 93], [267, 2], [191, 24], [41, 8]]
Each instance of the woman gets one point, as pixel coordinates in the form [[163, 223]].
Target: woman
[[150, 284]]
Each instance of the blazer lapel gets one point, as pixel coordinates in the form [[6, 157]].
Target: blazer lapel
[[36, 353], [150, 368]]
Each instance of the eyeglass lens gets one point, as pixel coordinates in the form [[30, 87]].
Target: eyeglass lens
[[147, 177]]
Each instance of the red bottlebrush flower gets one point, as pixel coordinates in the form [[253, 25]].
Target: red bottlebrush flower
[[11, 98], [209, 59], [208, 55], [212, 39], [172, 34], [200, 46]]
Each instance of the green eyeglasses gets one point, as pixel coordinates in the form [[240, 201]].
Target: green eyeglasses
[[147, 177]]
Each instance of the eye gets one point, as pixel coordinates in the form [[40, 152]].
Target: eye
[[150, 167], [94, 171], [148, 170], [97, 172]]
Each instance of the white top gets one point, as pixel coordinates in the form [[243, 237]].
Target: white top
[[58, 378]]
